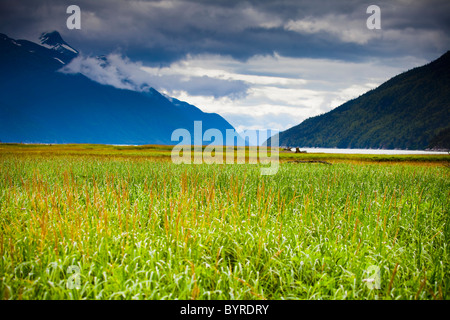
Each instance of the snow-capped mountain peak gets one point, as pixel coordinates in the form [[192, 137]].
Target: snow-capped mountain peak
[[53, 40]]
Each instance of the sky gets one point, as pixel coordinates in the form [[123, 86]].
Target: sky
[[260, 64]]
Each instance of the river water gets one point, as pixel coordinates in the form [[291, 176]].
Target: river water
[[369, 151]]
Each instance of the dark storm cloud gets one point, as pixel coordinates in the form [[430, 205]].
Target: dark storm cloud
[[160, 32]]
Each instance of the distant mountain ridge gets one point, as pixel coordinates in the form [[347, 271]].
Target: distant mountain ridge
[[409, 111], [38, 104]]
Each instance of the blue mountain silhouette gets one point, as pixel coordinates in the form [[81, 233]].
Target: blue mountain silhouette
[[38, 104]]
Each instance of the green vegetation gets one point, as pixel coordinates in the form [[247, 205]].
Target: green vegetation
[[140, 227], [406, 112], [163, 152], [441, 141]]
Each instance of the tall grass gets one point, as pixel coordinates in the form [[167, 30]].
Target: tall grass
[[146, 229]]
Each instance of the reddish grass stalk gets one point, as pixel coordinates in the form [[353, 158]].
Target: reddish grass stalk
[[422, 284], [392, 278]]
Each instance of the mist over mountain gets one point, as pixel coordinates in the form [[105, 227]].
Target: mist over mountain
[[40, 104], [410, 111]]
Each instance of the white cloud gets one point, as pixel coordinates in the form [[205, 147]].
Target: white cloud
[[341, 26], [264, 92], [353, 29], [112, 70], [122, 73], [282, 91]]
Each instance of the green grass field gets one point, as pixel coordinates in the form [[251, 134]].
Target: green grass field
[[105, 222]]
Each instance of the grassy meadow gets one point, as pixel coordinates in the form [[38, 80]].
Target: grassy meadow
[[108, 222]]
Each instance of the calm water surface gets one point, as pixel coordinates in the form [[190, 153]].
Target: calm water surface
[[369, 151]]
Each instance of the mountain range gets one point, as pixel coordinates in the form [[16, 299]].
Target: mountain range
[[39, 104], [409, 111]]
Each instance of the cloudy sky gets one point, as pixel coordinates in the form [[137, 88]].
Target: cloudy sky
[[261, 64]]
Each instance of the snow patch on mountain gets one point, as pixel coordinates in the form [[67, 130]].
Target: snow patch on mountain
[[59, 60], [54, 41], [69, 48]]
